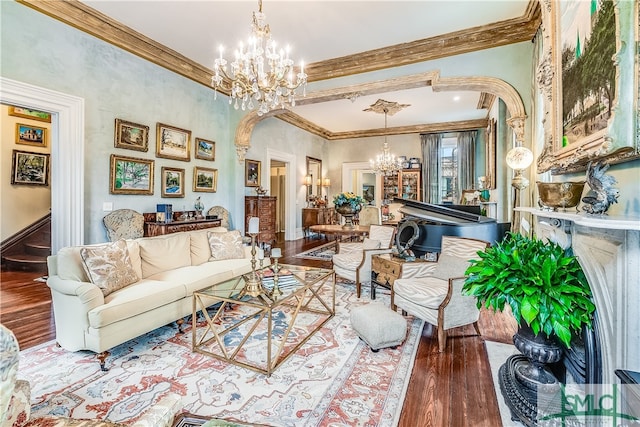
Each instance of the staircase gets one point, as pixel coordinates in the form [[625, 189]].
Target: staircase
[[28, 249]]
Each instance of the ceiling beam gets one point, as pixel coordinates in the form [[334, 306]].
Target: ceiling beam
[[501, 33]]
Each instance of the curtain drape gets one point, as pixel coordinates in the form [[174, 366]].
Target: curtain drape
[[466, 160], [430, 145]]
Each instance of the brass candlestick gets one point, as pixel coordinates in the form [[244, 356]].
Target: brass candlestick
[[276, 292], [252, 283]]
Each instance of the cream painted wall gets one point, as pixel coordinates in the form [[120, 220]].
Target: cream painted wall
[[21, 205]]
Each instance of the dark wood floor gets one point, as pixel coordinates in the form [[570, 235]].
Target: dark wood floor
[[453, 388]]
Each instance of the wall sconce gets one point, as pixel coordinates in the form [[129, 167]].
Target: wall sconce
[[326, 182], [307, 180]]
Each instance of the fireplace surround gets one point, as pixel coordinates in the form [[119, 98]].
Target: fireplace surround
[[608, 250]]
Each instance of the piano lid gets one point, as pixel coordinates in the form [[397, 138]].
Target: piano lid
[[438, 213]]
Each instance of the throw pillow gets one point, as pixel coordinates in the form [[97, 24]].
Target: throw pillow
[[109, 266], [225, 245], [450, 266], [370, 244]]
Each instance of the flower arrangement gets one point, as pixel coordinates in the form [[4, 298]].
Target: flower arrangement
[[348, 198]]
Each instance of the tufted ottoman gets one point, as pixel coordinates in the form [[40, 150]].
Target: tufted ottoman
[[378, 325]]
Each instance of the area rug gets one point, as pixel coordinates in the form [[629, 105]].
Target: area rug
[[498, 354], [334, 379], [323, 252]]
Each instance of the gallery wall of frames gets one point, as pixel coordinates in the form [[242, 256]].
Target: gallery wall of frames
[[130, 174]]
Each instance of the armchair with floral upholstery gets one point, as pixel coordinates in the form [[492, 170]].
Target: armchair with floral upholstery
[[15, 396], [352, 260], [124, 224]]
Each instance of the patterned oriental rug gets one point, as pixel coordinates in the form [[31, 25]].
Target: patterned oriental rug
[[323, 252], [334, 379]]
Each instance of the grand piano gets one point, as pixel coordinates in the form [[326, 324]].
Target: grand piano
[[434, 221]]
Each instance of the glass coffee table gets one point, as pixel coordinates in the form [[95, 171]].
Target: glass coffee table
[[261, 330]]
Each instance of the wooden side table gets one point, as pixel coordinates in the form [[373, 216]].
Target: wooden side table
[[385, 269]]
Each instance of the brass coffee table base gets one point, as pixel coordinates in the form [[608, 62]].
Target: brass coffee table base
[[301, 299]]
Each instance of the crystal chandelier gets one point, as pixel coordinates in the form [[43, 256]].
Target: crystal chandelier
[[385, 162], [260, 73]]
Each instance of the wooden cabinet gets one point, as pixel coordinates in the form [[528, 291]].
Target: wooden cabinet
[[404, 184], [385, 269], [317, 216], [263, 207], [160, 228]]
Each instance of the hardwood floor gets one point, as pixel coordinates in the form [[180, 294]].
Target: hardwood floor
[[453, 388]]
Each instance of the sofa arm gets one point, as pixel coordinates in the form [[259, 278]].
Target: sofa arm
[[72, 301]]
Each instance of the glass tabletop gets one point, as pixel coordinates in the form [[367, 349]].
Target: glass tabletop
[[289, 279]]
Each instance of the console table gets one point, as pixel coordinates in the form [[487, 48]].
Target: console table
[[317, 216], [153, 228]]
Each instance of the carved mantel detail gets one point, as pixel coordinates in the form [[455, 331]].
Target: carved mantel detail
[[608, 249]]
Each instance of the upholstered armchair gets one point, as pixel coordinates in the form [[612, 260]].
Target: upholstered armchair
[[370, 215], [15, 395], [124, 224], [223, 216], [433, 291], [352, 260]]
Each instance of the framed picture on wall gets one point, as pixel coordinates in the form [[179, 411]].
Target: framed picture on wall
[[31, 135], [129, 175], [131, 136], [205, 150], [26, 113], [173, 143], [29, 168], [252, 173], [205, 179], [172, 182]]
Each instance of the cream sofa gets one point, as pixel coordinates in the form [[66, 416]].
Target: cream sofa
[[168, 268]]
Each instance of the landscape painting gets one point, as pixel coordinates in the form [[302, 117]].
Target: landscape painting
[[588, 42], [30, 168], [173, 143], [172, 182], [205, 150], [130, 175]]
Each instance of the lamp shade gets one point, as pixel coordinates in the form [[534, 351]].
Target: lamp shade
[[519, 158], [326, 182], [307, 180]]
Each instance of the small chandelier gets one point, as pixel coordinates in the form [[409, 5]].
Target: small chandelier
[[385, 162], [260, 72]]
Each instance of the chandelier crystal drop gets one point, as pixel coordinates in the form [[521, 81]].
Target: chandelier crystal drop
[[261, 73], [385, 162]]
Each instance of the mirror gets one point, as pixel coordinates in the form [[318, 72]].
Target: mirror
[[314, 171]]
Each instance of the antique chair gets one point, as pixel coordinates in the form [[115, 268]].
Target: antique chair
[[124, 224], [223, 216], [15, 395], [433, 291], [352, 260], [370, 215]]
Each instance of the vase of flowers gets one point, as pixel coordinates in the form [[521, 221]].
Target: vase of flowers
[[348, 205]]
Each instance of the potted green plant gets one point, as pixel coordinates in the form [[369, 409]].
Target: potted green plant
[[545, 287], [550, 299]]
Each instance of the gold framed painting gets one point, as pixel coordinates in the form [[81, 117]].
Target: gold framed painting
[[205, 180], [589, 79], [173, 143], [205, 150], [130, 175], [31, 135], [26, 113], [131, 136], [172, 182]]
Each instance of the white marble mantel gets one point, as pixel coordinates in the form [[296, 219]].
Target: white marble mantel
[[608, 249]]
